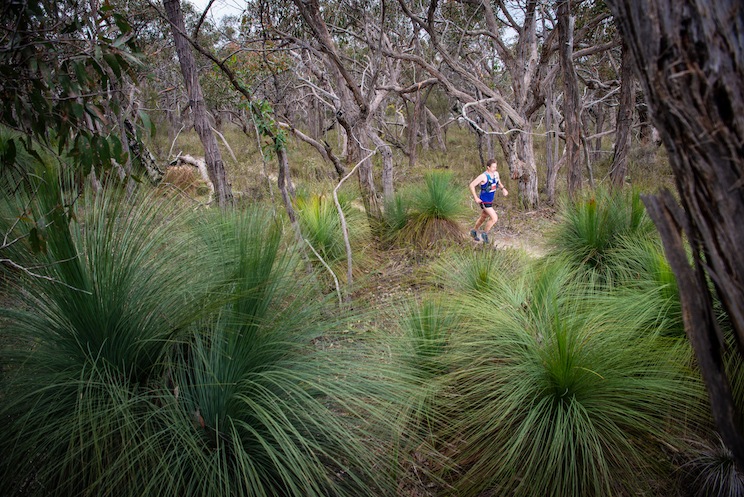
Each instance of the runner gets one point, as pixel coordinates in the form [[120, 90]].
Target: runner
[[489, 182]]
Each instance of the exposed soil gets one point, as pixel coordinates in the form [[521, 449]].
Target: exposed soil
[[522, 230]]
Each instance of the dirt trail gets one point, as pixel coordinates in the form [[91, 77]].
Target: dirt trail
[[532, 245]]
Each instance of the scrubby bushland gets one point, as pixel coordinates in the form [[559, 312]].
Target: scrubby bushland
[[546, 398], [162, 351]]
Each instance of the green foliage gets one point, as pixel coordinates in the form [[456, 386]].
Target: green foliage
[[479, 271], [427, 327], [88, 340], [57, 68], [433, 212], [395, 217], [711, 470], [266, 126], [440, 199], [272, 408], [592, 227], [647, 288], [548, 399], [167, 352], [321, 225]]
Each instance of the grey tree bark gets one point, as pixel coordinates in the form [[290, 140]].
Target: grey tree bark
[[688, 57], [619, 168], [354, 108], [570, 98], [212, 155]]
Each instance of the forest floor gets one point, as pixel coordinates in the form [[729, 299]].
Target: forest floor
[[524, 230], [391, 278]]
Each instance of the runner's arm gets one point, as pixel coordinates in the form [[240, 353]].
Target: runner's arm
[[477, 182]]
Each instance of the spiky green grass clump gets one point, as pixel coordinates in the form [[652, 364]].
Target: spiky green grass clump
[[591, 227], [711, 470], [434, 212], [170, 354], [321, 225], [427, 327], [88, 338], [547, 399], [394, 217], [646, 292], [478, 271]]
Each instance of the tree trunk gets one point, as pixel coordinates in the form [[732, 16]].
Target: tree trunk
[[619, 167], [314, 117], [688, 56], [353, 109], [597, 145], [414, 120], [551, 143], [644, 124], [358, 154], [388, 190], [521, 156], [212, 154], [570, 98], [436, 130], [285, 184]]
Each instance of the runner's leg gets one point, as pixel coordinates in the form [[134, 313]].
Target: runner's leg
[[483, 216], [493, 217]]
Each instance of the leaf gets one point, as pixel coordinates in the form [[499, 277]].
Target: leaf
[[113, 63], [9, 154], [147, 123], [80, 72], [37, 241], [116, 149], [77, 110]]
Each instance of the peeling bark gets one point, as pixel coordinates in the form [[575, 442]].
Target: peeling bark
[[570, 98], [212, 154]]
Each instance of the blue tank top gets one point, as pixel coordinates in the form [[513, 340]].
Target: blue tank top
[[488, 189]]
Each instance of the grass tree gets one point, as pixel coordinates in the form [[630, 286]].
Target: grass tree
[[86, 337], [477, 271], [321, 226], [395, 217], [166, 352], [433, 212], [711, 470], [546, 398], [426, 330], [590, 228], [265, 409]]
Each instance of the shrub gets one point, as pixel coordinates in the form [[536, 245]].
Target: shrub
[[592, 227], [321, 225], [162, 354], [711, 470], [477, 271], [395, 216], [545, 398], [86, 342], [433, 213]]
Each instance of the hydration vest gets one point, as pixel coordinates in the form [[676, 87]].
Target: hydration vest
[[488, 189]]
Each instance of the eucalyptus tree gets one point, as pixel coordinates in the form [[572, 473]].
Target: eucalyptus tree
[[570, 97], [504, 86], [339, 54], [63, 68], [213, 156], [619, 166], [687, 56]]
